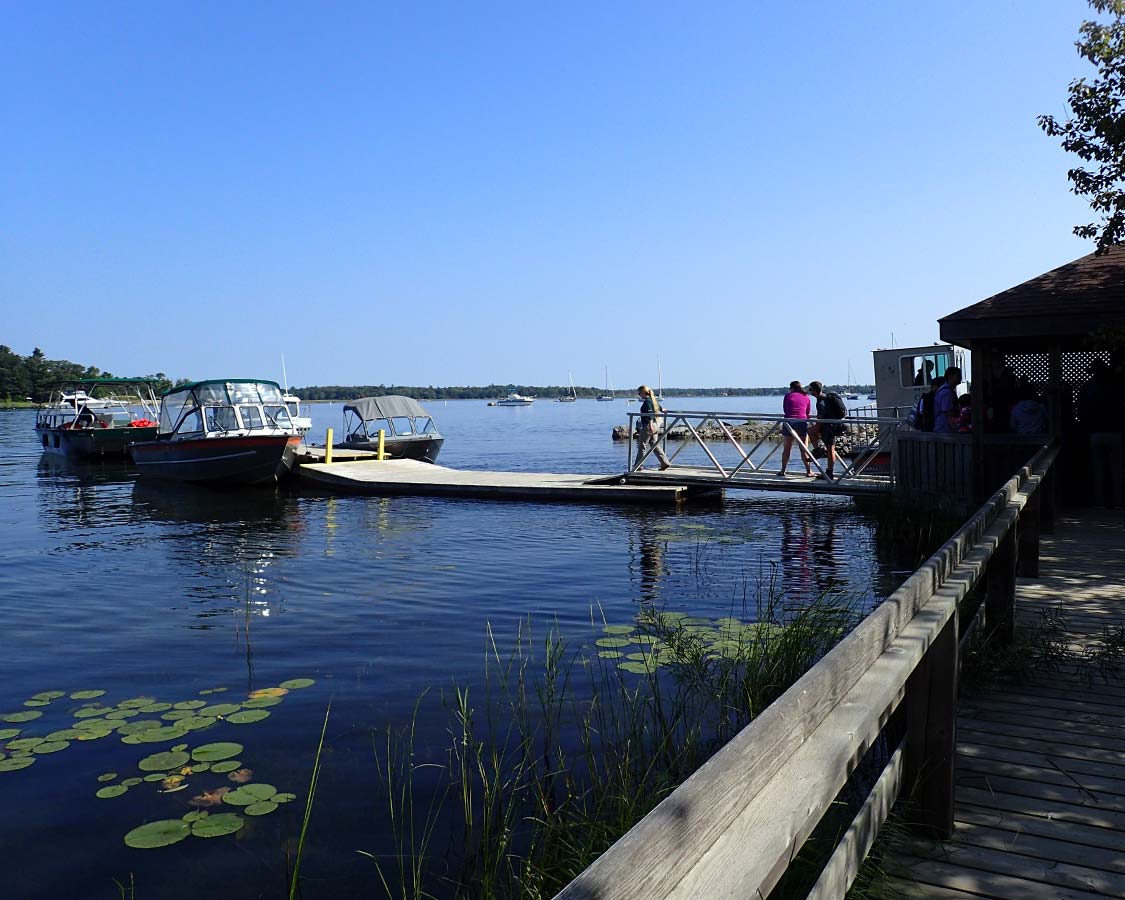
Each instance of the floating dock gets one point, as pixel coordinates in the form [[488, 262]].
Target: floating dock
[[703, 477], [366, 475]]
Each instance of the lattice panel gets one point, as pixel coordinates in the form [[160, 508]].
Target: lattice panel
[[1076, 366], [1032, 367]]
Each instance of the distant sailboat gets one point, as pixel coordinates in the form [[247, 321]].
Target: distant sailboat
[[573, 395], [608, 395], [850, 392]]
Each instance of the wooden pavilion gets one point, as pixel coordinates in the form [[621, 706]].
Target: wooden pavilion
[[1044, 334]]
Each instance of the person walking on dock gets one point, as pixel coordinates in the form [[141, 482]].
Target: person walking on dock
[[830, 413], [796, 407], [648, 431]]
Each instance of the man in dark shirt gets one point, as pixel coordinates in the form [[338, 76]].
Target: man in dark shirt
[[830, 412]]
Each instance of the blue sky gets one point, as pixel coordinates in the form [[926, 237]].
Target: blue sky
[[451, 193]]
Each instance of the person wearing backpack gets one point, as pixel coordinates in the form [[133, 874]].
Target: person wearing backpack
[[648, 432], [945, 403], [830, 413]]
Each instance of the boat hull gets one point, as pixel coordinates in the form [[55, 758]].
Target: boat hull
[[424, 449], [248, 459], [90, 443]]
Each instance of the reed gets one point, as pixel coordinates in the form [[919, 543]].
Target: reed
[[565, 752], [294, 878]]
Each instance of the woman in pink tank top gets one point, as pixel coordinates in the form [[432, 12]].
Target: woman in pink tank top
[[796, 407]]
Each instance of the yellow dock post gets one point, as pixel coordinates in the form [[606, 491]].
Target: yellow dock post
[[381, 456], [328, 447]]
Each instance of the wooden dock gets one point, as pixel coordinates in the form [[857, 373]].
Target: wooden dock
[[1040, 767], [407, 476], [701, 476]]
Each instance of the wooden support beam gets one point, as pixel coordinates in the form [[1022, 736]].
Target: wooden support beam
[[1047, 501], [931, 714], [1000, 585]]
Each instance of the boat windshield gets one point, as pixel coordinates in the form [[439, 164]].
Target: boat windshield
[[223, 406]]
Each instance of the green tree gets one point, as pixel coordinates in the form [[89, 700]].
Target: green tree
[[1095, 129]]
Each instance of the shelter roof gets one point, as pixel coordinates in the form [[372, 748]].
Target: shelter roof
[[1073, 299]]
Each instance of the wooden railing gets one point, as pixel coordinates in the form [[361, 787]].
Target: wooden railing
[[732, 829]]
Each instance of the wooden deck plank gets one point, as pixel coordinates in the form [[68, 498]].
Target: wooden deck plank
[[1040, 809]]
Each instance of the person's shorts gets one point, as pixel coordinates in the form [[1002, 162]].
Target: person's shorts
[[800, 427], [828, 433]]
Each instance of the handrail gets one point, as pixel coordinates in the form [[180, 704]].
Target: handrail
[[733, 827], [878, 438]]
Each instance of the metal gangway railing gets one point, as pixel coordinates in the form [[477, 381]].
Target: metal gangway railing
[[868, 451]]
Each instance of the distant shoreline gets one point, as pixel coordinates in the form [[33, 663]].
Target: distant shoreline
[[340, 394]]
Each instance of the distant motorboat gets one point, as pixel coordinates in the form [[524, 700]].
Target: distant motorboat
[[851, 396], [302, 420], [872, 397], [514, 399]]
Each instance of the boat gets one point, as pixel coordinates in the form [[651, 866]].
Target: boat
[[872, 397], [408, 430], [514, 399], [850, 392], [572, 396], [96, 417], [221, 431], [608, 395]]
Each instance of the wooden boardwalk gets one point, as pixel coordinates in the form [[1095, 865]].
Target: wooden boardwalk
[[408, 476], [1040, 784]]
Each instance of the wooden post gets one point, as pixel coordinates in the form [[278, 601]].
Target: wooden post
[[931, 718], [1000, 580], [1027, 561], [1047, 502], [328, 447], [380, 456]]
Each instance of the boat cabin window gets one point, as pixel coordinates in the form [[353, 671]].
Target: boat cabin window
[[221, 418], [924, 369], [251, 417], [191, 424], [402, 425], [279, 416], [425, 426]]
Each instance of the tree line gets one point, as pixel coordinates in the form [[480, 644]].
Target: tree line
[[339, 393], [29, 378]]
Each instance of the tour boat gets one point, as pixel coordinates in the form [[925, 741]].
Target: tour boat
[[221, 431], [408, 430], [96, 417]]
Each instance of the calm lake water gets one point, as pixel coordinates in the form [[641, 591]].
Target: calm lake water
[[156, 593]]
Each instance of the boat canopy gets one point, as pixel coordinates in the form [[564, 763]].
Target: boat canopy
[[391, 406], [180, 407]]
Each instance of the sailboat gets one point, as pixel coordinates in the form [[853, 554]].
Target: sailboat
[[608, 395], [573, 395], [850, 391], [301, 419]]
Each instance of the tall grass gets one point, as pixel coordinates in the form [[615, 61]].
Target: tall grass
[[564, 752], [294, 878]]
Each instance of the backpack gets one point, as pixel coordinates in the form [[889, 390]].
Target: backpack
[[922, 416], [834, 407]]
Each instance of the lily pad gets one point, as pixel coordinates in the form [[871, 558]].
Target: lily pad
[[261, 808], [6, 733], [155, 707], [260, 702], [86, 695], [637, 668], [178, 748], [88, 712], [195, 815], [132, 782], [176, 714], [119, 714], [107, 776], [25, 715], [48, 695], [268, 692], [215, 752], [158, 834], [610, 654], [95, 725], [25, 743], [140, 725], [94, 733], [227, 765], [132, 739], [12, 763], [618, 629], [108, 793], [217, 825], [66, 734], [136, 702], [36, 702], [294, 684], [169, 759], [190, 704], [52, 746], [644, 639], [612, 642], [238, 798], [193, 723], [220, 709], [156, 776], [283, 798], [247, 716], [156, 735], [197, 766], [258, 791]]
